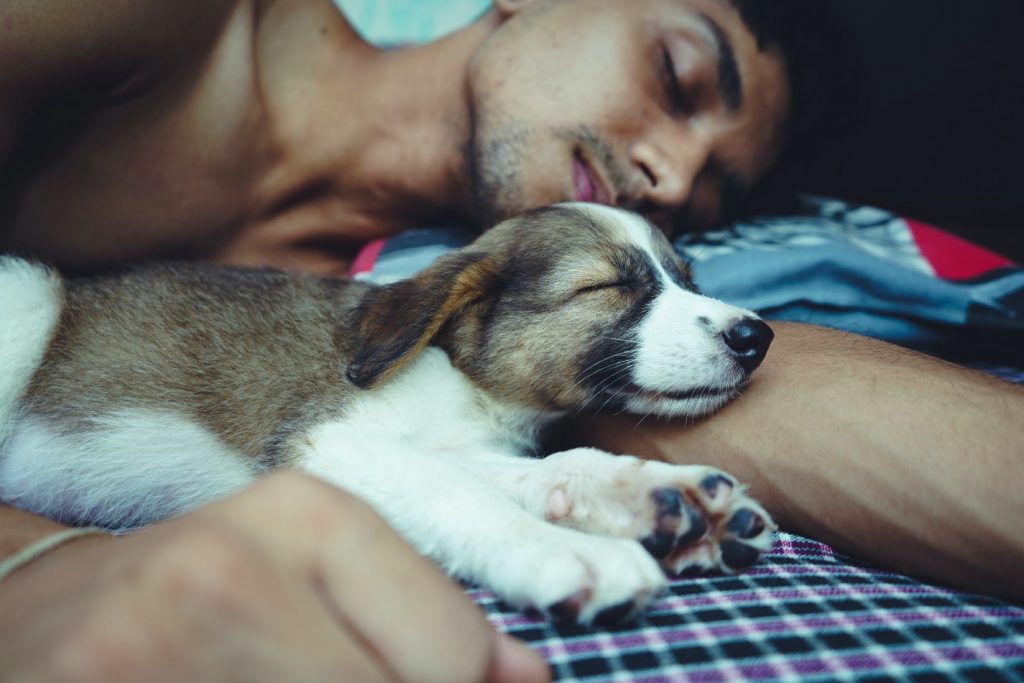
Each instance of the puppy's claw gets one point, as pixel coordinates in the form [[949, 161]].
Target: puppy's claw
[[569, 609], [616, 614]]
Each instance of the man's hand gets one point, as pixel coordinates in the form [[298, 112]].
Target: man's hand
[[289, 580]]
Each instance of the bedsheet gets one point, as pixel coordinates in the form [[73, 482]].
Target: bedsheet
[[806, 612]]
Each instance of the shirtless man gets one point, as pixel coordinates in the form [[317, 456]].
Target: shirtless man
[[270, 133]]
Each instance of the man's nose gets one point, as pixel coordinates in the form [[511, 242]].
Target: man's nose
[[668, 171]]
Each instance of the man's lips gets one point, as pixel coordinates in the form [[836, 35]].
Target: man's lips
[[587, 184]]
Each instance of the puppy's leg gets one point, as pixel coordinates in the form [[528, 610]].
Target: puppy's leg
[[476, 532], [688, 517], [31, 299], [120, 469]]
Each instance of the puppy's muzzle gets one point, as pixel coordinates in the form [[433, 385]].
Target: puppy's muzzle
[[748, 341]]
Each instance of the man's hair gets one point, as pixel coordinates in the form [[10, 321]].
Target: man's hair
[[820, 65]]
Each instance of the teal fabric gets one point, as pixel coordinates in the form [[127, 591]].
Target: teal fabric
[[398, 22]]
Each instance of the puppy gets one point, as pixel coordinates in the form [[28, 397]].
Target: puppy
[[128, 399]]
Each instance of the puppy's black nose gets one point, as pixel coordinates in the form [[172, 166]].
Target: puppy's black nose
[[749, 340]]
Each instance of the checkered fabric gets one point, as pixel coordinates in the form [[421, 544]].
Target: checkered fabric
[[804, 613]]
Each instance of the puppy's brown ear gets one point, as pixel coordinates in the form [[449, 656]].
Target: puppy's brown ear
[[396, 322]]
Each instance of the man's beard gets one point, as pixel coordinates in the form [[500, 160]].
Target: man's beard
[[493, 157]]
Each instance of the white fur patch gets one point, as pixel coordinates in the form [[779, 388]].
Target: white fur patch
[[127, 469], [681, 348], [408, 435], [680, 345], [30, 304], [436, 457]]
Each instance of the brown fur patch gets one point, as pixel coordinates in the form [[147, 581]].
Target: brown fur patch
[[398, 321]]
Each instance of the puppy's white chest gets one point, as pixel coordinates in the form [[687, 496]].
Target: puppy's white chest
[[428, 408]]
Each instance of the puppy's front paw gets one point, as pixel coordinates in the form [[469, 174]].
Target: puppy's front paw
[[705, 522], [690, 518], [576, 578]]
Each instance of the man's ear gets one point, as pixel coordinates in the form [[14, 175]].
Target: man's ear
[[506, 8], [396, 322]]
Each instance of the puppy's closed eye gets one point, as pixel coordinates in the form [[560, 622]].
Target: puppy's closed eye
[[623, 285]]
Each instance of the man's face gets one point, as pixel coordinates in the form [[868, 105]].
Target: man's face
[[661, 106]]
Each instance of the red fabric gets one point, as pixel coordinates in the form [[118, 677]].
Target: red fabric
[[951, 257], [367, 257]]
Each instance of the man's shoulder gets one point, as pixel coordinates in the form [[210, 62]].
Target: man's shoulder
[[91, 42]]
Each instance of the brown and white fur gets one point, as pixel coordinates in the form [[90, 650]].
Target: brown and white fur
[[128, 399]]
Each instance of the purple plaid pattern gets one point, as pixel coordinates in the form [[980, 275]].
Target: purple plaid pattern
[[804, 613]]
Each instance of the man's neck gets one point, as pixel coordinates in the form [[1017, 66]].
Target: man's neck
[[382, 132]]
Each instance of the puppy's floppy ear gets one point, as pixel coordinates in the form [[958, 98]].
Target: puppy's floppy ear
[[396, 322]]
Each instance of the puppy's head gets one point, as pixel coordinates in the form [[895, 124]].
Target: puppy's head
[[568, 308]]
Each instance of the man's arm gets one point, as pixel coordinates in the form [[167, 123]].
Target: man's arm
[[898, 458], [290, 579], [53, 50]]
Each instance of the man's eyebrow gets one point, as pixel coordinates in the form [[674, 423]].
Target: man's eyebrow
[[730, 85]]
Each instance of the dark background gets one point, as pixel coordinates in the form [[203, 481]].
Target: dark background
[[936, 134]]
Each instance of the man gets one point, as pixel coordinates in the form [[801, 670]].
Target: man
[[269, 133]]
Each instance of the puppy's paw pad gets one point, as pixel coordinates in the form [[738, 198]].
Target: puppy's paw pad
[[746, 523], [706, 522], [717, 486], [736, 556], [677, 523]]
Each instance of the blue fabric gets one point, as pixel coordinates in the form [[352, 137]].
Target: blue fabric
[[397, 22], [856, 269], [840, 287]]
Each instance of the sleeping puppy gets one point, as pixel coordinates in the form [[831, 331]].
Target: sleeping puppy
[[128, 399]]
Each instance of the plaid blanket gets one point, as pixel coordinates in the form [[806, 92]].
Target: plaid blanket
[[803, 613], [806, 612]]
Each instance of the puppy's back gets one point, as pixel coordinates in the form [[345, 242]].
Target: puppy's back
[[247, 353]]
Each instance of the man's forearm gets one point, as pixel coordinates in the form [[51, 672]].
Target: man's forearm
[[898, 458]]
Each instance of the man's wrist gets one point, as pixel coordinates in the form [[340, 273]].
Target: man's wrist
[[19, 529], [44, 545]]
